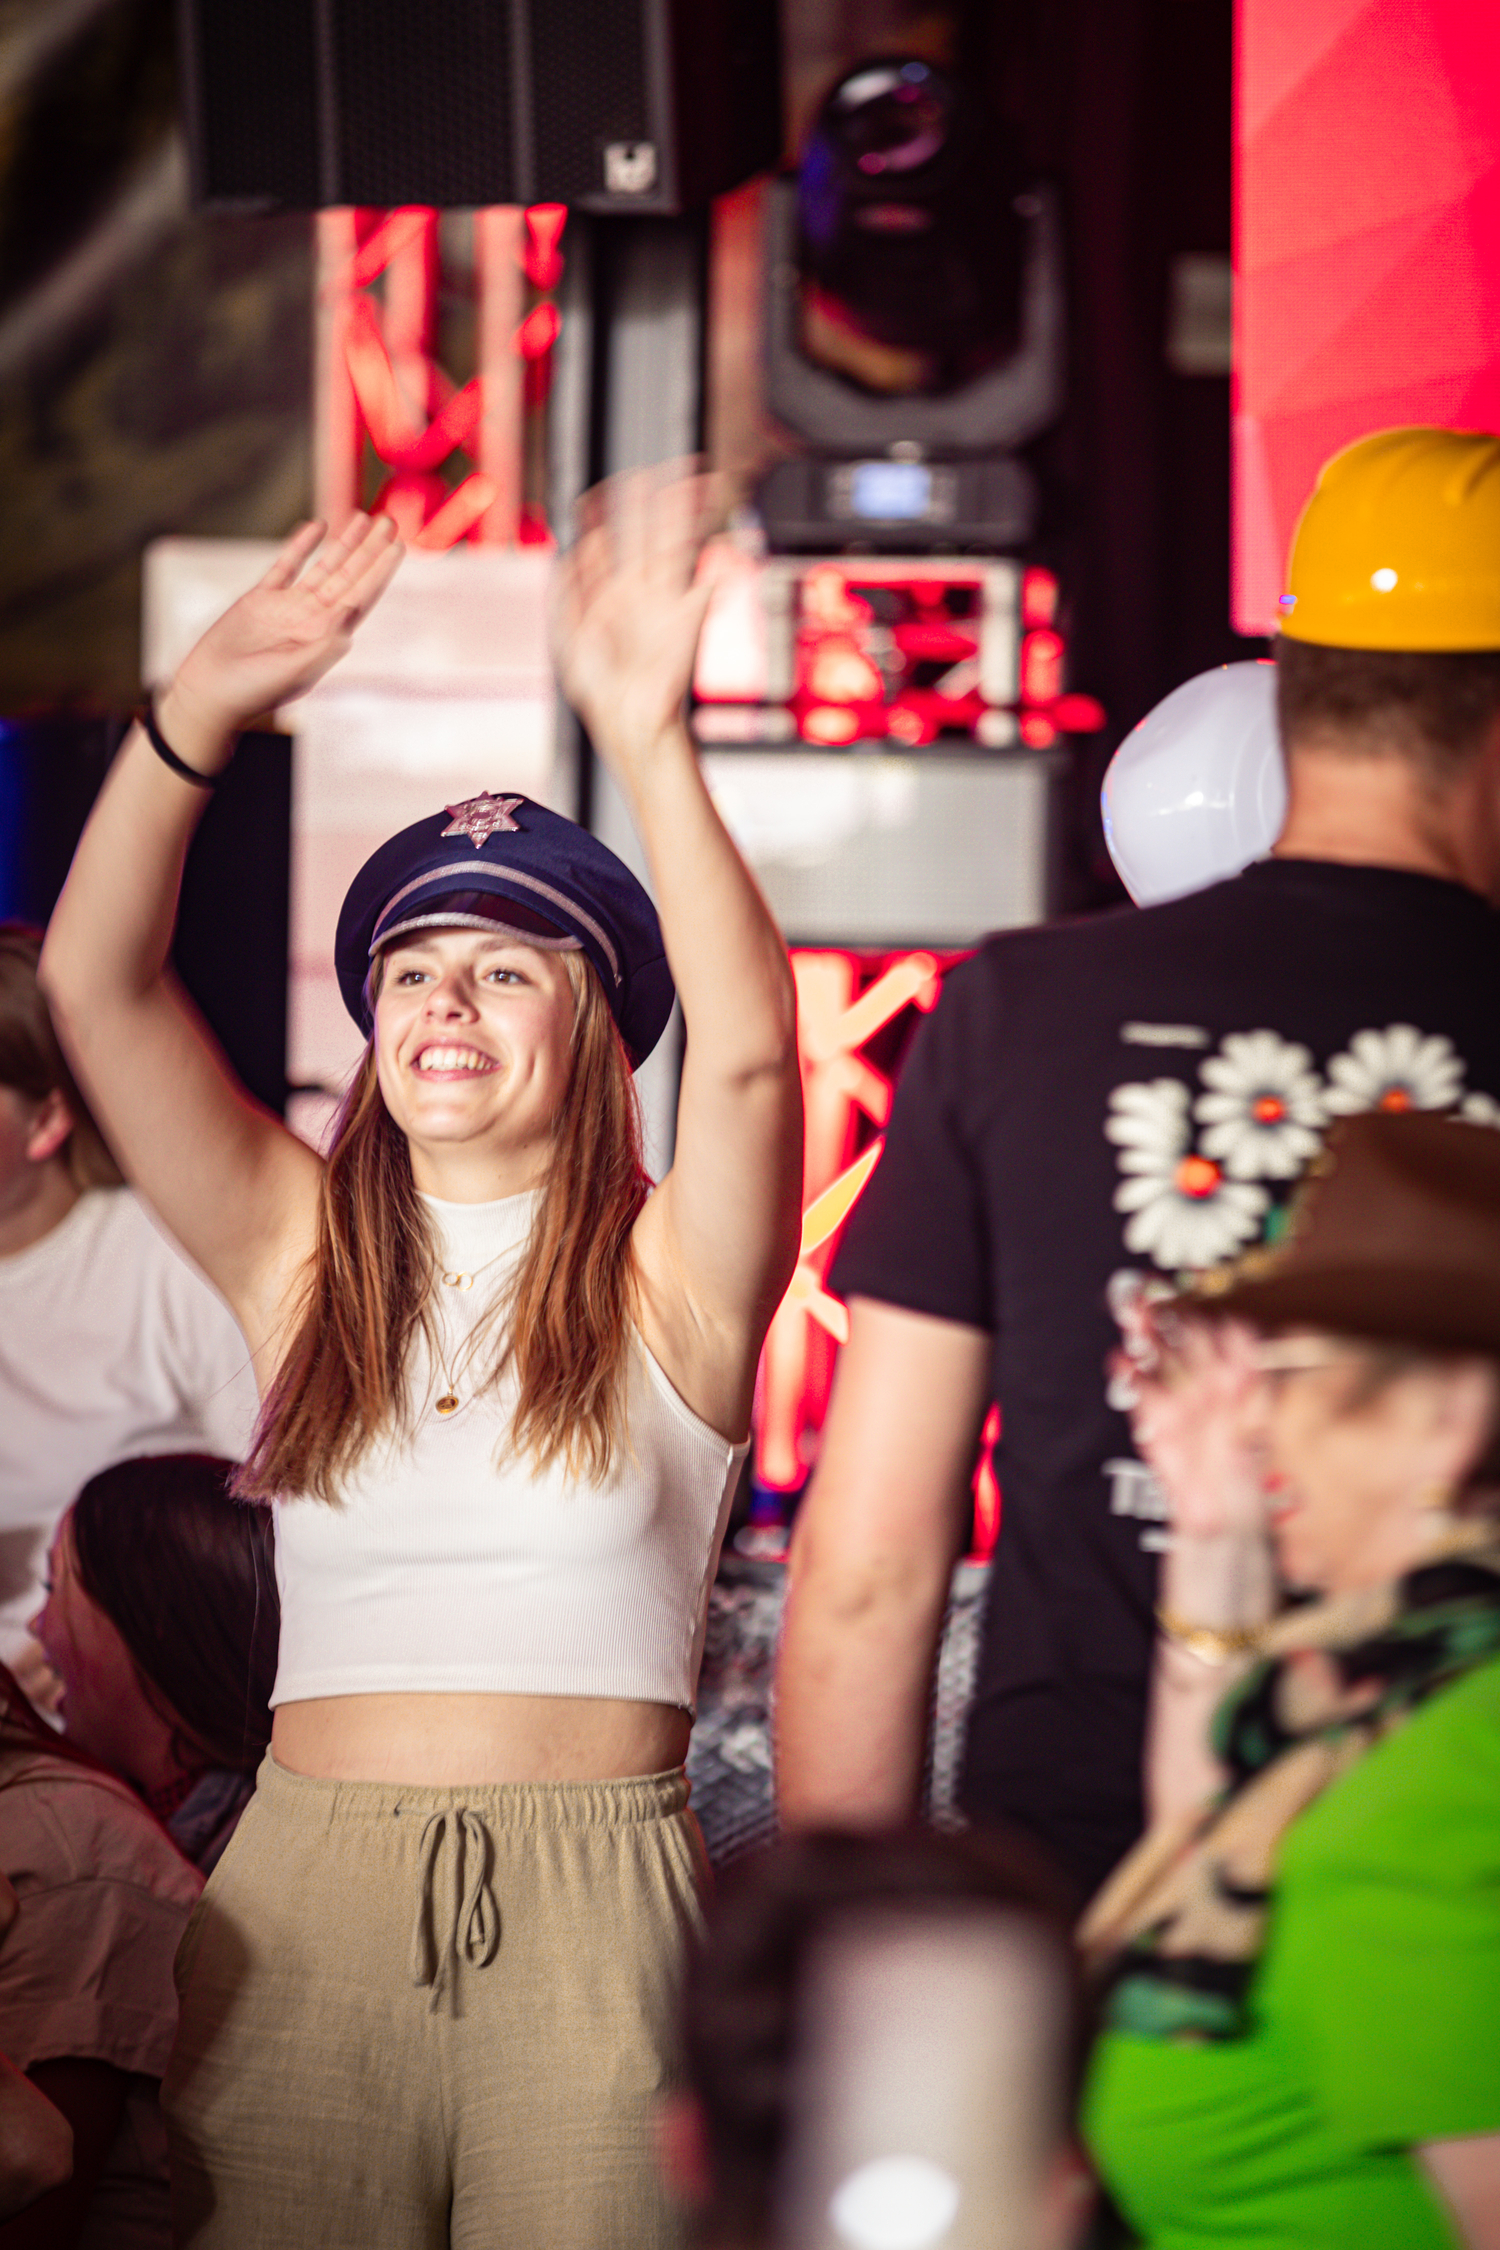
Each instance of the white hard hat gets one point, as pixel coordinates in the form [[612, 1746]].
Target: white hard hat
[[1198, 790]]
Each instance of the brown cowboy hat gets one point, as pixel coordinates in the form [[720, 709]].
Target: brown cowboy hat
[[1395, 1235]]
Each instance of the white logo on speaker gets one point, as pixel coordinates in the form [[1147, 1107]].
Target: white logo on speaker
[[630, 167]]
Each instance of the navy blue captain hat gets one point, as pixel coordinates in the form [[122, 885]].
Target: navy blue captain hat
[[507, 862]]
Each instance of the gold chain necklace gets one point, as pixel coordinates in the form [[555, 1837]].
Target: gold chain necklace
[[457, 1278]]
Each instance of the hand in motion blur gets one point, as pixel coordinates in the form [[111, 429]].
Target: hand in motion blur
[[280, 638], [628, 605], [1197, 1396]]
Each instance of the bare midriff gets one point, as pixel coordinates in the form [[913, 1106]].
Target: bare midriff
[[444, 1741]]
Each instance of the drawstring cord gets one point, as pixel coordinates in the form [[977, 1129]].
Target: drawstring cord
[[474, 1933]]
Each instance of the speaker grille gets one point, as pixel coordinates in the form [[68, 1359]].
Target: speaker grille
[[421, 101], [884, 850], [590, 80], [250, 84], [648, 105]]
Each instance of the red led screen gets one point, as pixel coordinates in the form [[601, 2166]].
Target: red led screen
[[1367, 256]]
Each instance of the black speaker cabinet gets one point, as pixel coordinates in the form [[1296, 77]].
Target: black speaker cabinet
[[609, 105]]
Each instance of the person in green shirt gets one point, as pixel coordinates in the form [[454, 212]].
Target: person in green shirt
[[1300, 1965]]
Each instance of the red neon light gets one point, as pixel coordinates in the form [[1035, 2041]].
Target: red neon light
[[539, 331], [542, 259], [986, 1489], [1041, 666], [398, 232], [382, 389], [829, 723], [900, 655], [1038, 598], [835, 1020], [1077, 714], [898, 650], [459, 513]]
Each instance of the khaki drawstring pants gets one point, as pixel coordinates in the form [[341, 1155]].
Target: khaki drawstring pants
[[422, 2017]]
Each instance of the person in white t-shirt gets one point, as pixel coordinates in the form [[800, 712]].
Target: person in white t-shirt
[[111, 1344]]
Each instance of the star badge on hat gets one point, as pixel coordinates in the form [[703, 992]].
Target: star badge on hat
[[531, 871], [479, 818]]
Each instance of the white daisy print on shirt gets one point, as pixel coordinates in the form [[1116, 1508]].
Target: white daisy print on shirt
[[1479, 1109], [1395, 1069], [1184, 1212], [1264, 1108]]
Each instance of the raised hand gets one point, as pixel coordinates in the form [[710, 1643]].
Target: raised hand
[[628, 605], [281, 637], [1196, 1419]]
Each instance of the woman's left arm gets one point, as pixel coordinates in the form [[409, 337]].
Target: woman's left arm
[[1466, 2175], [717, 1243]]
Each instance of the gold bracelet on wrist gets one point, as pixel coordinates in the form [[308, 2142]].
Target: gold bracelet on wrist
[[1211, 1644]]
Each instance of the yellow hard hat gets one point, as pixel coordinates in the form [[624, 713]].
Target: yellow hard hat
[[1399, 546]]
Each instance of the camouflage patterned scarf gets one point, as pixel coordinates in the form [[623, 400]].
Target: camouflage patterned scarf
[[1176, 1932]]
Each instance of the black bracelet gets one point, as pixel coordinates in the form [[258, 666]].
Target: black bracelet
[[168, 755]]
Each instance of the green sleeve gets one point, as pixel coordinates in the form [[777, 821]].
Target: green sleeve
[[1384, 1952]]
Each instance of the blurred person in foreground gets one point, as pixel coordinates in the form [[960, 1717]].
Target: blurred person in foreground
[[161, 1622], [882, 2039], [110, 1342], [88, 2009], [1105, 1106], [1302, 1959], [36, 2140]]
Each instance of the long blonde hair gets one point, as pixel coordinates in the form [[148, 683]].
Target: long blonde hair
[[343, 1381]]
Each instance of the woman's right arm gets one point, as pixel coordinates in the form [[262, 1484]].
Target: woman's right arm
[[233, 1185]]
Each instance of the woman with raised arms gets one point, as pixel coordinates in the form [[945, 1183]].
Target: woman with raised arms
[[505, 1384]]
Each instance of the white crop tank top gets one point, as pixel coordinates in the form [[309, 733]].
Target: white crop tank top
[[452, 1565]]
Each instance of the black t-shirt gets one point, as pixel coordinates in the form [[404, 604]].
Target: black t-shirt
[[1140, 1091]]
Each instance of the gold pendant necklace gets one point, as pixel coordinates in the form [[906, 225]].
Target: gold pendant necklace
[[448, 1402]]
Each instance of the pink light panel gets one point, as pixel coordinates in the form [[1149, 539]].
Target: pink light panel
[[1367, 256]]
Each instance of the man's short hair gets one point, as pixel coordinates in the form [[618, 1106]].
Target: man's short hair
[[744, 1980], [1434, 710]]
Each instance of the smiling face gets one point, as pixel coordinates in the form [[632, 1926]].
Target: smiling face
[[473, 1049], [1360, 1458]]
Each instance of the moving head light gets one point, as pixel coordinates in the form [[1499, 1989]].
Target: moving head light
[[911, 250], [914, 322]]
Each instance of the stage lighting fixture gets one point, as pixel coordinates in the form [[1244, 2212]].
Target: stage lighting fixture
[[911, 250], [914, 322]]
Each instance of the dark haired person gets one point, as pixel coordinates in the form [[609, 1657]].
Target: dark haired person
[[110, 1343], [506, 1388], [1095, 1109], [161, 1622], [1301, 1962], [88, 2008], [908, 1996]]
